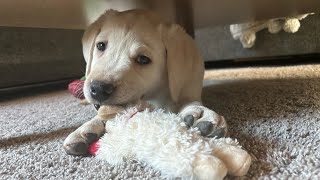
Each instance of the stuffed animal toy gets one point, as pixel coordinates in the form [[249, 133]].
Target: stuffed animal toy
[[164, 142], [76, 88], [246, 32]]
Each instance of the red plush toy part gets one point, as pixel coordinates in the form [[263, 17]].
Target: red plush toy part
[[93, 148], [76, 88]]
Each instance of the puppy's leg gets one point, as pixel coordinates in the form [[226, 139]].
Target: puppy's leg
[[209, 123], [77, 143]]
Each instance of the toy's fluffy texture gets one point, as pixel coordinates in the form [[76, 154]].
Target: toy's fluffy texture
[[246, 32], [163, 141]]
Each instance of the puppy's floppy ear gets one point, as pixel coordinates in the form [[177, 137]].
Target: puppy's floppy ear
[[89, 37], [184, 64]]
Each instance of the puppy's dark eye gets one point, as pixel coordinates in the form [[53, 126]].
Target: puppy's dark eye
[[143, 60], [101, 46]]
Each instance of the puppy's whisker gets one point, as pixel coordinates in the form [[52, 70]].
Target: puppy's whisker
[[125, 83], [122, 82]]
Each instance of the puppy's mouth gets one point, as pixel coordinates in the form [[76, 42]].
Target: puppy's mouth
[[97, 106]]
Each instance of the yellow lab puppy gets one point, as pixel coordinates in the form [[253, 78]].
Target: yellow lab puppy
[[135, 55]]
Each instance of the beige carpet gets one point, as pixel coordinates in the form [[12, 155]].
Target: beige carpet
[[274, 112]]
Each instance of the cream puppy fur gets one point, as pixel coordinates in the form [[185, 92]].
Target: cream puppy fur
[[136, 55]]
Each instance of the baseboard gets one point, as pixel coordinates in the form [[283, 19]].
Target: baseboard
[[265, 61], [31, 89]]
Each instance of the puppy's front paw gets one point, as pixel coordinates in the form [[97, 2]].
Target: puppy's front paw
[[209, 123], [77, 143]]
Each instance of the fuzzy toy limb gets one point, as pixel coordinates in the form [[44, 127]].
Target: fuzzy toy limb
[[246, 32], [108, 112], [207, 167], [236, 159]]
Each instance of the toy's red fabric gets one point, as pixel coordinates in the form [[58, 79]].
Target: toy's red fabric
[[93, 148], [76, 88]]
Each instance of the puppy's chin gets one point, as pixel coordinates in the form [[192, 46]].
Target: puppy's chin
[[125, 104], [120, 102]]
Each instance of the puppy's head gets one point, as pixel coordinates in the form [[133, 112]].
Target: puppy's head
[[127, 58]]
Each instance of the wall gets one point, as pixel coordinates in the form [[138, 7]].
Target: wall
[[76, 14]]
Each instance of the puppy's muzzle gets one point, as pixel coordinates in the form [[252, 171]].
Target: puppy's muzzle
[[101, 91]]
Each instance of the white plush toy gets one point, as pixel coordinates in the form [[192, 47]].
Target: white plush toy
[[246, 32], [163, 141]]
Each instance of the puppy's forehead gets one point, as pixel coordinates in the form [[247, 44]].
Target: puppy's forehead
[[139, 25], [135, 18], [121, 39]]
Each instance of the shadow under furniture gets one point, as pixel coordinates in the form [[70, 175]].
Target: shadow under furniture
[[40, 42]]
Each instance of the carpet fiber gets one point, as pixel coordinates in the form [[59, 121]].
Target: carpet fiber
[[273, 112]]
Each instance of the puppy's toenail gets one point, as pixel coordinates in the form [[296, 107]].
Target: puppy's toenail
[[189, 119], [219, 133], [91, 137], [205, 127]]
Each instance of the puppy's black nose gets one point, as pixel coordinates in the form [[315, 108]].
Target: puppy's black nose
[[100, 91]]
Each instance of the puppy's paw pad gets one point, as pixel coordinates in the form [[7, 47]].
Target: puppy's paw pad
[[209, 123], [189, 120], [217, 128], [205, 127]]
